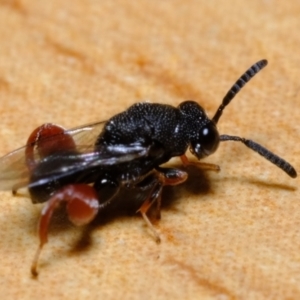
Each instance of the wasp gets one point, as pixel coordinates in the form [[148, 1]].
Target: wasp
[[75, 166]]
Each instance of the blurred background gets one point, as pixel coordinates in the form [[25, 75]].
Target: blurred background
[[232, 235]]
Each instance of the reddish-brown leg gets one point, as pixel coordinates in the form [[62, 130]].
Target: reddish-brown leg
[[82, 207], [163, 177], [47, 139], [202, 165]]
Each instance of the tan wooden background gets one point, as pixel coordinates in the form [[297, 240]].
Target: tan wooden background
[[231, 235]]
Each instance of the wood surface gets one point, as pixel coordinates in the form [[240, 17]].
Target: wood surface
[[228, 235]]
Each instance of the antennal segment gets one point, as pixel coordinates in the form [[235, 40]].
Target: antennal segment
[[238, 85], [273, 158]]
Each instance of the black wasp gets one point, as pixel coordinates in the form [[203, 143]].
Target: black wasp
[[75, 166]]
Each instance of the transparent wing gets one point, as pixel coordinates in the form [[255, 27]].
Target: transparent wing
[[13, 168], [86, 134]]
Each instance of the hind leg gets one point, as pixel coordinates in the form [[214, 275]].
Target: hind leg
[[45, 140], [82, 206]]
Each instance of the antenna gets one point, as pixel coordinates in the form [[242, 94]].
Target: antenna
[[253, 70], [267, 154]]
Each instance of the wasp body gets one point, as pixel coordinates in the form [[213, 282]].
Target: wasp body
[[76, 166]]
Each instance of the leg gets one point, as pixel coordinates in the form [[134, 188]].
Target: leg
[[82, 207], [162, 177], [47, 139], [155, 195], [202, 165]]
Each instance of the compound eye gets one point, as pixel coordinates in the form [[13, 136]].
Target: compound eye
[[207, 141]]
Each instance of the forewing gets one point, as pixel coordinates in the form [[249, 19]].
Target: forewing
[[86, 134]]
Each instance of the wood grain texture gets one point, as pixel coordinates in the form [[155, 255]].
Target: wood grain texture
[[231, 235]]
